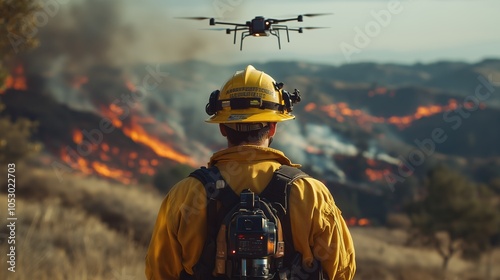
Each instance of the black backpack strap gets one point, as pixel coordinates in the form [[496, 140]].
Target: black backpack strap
[[216, 190], [281, 183], [278, 190]]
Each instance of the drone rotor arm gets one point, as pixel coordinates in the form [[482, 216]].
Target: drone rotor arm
[[229, 23]]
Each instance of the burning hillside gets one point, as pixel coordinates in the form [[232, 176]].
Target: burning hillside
[[102, 143], [121, 137]]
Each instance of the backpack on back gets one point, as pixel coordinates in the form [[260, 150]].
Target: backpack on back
[[249, 236]]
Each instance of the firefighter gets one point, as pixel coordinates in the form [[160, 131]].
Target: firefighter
[[247, 110]]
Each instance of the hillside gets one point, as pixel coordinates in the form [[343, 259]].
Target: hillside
[[356, 125]]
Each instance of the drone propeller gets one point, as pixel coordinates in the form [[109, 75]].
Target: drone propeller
[[314, 27], [317, 14], [306, 15], [194, 18]]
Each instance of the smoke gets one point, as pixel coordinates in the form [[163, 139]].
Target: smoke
[[314, 145]]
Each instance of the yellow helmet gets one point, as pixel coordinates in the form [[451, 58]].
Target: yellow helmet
[[251, 96]]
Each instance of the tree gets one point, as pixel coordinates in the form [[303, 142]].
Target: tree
[[15, 139], [16, 18], [17, 23], [454, 216]]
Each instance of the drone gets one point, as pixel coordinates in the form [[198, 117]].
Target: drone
[[261, 27]]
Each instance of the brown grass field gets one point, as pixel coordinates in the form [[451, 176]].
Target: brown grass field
[[86, 228]]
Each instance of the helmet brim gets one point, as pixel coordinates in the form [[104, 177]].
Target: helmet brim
[[244, 117]]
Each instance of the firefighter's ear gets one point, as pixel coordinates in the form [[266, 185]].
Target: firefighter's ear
[[272, 129], [222, 129]]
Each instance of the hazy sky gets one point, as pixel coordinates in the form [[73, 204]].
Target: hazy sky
[[417, 31]]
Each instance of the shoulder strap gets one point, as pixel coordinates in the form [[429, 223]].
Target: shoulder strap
[[216, 190], [278, 190]]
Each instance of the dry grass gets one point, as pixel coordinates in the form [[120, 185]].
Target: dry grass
[[382, 254], [55, 242], [86, 228], [79, 229]]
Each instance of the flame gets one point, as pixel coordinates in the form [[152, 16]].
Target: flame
[[130, 86], [340, 111], [105, 147], [376, 175], [119, 175], [421, 112], [16, 80], [80, 164], [77, 136], [113, 113], [353, 221], [138, 135], [363, 222], [104, 157], [310, 107]]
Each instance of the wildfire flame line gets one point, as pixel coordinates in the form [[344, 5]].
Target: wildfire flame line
[[138, 134], [340, 111]]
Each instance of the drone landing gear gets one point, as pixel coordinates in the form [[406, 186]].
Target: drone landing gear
[[275, 32]]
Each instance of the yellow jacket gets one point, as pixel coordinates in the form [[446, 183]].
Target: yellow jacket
[[319, 231]]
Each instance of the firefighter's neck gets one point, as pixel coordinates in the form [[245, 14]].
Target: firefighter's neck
[[265, 143]]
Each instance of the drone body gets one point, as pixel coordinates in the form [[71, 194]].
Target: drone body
[[261, 27]]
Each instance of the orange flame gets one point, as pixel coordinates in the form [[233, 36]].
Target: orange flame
[[137, 134], [310, 107], [16, 80], [362, 222], [119, 175], [77, 136], [376, 175], [421, 112], [130, 86], [340, 111], [105, 147], [80, 164], [113, 113]]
